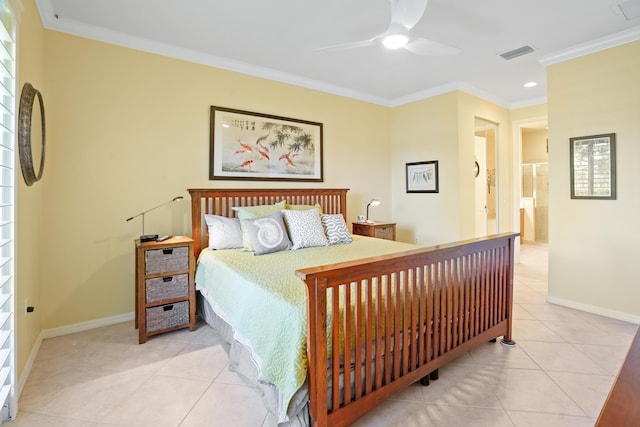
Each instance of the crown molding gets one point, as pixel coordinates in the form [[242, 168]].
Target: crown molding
[[446, 88], [613, 40], [68, 26], [529, 102], [52, 22], [424, 94]]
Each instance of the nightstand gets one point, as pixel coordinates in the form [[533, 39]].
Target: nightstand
[[165, 287], [381, 230]]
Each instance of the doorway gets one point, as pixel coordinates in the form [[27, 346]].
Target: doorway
[[535, 202], [486, 178], [534, 191]]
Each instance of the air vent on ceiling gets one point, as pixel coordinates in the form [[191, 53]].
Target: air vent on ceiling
[[516, 52], [630, 9]]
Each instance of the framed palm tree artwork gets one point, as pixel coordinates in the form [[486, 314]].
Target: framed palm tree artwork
[[254, 146]]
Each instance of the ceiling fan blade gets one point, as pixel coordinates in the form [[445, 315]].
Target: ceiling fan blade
[[407, 12], [345, 46], [429, 47]]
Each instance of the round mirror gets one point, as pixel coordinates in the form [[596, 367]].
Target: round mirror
[[30, 123]]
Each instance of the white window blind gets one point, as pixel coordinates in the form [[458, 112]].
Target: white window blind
[[7, 208], [593, 159]]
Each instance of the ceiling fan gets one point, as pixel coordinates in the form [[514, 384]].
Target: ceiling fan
[[405, 14]]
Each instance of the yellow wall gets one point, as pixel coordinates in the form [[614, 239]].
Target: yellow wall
[[593, 244], [534, 146], [469, 108], [423, 131], [530, 113], [29, 200], [130, 130], [442, 128]]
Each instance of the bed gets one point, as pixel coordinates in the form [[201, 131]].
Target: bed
[[358, 321]]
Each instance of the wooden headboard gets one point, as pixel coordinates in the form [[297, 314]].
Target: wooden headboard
[[219, 201]]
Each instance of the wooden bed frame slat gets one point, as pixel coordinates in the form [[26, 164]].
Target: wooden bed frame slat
[[418, 310]]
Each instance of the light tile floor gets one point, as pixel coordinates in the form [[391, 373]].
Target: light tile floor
[[559, 374]]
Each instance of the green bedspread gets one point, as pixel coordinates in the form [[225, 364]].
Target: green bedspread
[[263, 300]]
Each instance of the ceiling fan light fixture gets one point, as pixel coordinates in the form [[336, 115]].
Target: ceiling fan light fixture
[[395, 41], [405, 14]]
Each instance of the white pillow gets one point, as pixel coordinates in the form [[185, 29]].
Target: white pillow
[[305, 228], [336, 229], [224, 233]]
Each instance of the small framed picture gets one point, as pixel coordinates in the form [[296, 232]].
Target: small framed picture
[[422, 177], [593, 167]]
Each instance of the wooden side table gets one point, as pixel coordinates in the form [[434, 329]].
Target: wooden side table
[[165, 286], [381, 230]]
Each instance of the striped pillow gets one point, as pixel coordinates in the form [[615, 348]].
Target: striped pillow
[[336, 229]]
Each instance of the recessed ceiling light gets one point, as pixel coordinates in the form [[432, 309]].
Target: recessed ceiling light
[[530, 84]]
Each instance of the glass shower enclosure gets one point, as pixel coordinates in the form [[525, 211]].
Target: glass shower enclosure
[[535, 202]]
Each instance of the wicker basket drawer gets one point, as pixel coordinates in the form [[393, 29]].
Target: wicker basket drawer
[[158, 261], [167, 287], [167, 316], [386, 232]]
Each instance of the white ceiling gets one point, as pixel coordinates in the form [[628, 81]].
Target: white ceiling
[[281, 40]]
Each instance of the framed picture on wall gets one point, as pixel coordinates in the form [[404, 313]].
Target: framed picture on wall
[[254, 146], [422, 177], [593, 167]]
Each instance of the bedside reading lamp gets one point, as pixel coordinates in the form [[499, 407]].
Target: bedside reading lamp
[[373, 202], [151, 237]]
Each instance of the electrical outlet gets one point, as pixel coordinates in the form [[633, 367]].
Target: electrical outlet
[[27, 308]]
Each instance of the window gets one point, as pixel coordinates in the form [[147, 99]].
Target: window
[[593, 160], [7, 207]]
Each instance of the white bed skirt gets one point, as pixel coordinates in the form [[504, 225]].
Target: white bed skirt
[[242, 362]]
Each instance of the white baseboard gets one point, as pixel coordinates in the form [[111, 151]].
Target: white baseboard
[[625, 317], [66, 330], [85, 326], [27, 368]]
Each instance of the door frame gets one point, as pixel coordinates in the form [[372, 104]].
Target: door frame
[[516, 174], [481, 196]]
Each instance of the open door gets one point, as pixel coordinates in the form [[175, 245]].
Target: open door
[[486, 181], [481, 186]]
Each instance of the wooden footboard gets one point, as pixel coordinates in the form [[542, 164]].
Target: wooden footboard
[[392, 320], [400, 317]]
